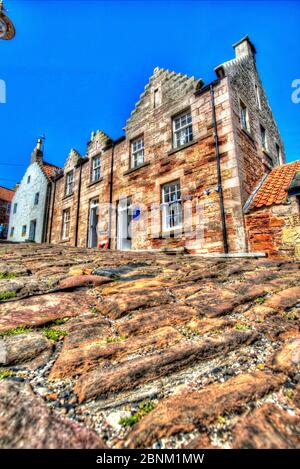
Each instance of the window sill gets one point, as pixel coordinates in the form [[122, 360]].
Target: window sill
[[267, 154], [246, 132], [171, 233], [182, 147], [132, 170], [93, 183], [67, 240], [67, 196]]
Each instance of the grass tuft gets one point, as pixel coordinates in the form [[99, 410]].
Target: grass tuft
[[6, 295], [53, 334], [144, 409], [16, 331]]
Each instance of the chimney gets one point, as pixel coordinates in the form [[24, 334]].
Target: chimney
[[37, 153], [244, 47]]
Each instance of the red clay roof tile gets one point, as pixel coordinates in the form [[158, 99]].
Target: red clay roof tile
[[274, 188]]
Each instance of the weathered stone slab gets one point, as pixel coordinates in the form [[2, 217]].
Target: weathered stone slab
[[164, 315], [144, 369], [267, 427], [41, 309], [72, 362], [123, 303], [23, 347], [185, 411], [78, 281], [287, 358], [284, 299], [27, 423]]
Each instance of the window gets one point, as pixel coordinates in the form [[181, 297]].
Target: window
[[257, 95], [182, 129], [172, 209], [36, 198], [278, 153], [8, 208], [66, 224], [24, 229], [263, 138], [96, 168], [137, 152], [28, 179], [15, 208], [157, 97], [69, 183], [244, 117], [12, 231]]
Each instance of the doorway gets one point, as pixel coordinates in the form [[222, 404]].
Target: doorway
[[124, 224], [93, 223], [32, 230]]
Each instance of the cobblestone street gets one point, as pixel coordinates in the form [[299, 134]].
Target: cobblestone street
[[156, 350]]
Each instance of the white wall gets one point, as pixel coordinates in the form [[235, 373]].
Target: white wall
[[26, 210]]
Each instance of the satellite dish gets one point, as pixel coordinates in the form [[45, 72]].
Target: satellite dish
[[7, 29]]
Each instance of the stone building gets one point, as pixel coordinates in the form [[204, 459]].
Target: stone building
[[30, 205], [6, 196], [190, 158], [273, 213]]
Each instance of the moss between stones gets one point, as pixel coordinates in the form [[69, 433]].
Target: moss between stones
[[16, 331], [54, 334], [7, 276], [6, 295], [5, 373], [120, 338], [144, 409]]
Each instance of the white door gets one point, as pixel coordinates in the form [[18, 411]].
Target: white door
[[124, 224], [93, 224]]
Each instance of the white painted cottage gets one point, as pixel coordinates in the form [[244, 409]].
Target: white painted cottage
[[30, 205]]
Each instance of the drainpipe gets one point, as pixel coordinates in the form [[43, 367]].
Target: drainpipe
[[111, 194], [78, 204], [46, 213], [52, 212], [220, 189]]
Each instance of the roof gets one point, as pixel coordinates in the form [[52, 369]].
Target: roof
[[50, 169], [6, 194], [294, 188], [274, 189]]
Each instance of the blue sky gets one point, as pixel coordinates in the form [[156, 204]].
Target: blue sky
[[77, 66]]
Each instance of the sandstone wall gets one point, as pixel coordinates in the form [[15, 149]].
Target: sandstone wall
[[275, 230]]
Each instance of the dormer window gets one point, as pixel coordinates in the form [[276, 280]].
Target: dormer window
[[96, 168], [69, 183], [182, 129], [137, 152]]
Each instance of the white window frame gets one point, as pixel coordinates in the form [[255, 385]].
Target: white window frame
[[69, 182], [171, 206], [96, 168], [263, 138], [257, 94], [244, 114], [182, 129], [137, 152], [66, 224]]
